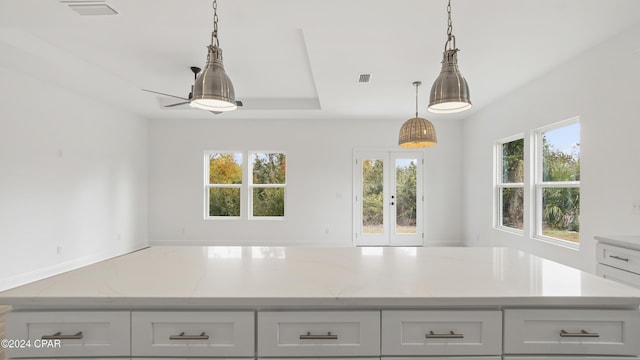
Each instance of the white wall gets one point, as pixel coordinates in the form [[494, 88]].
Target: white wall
[[600, 86], [319, 190], [72, 175]]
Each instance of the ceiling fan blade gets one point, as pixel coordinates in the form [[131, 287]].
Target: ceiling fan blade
[[177, 104], [216, 112], [159, 93]]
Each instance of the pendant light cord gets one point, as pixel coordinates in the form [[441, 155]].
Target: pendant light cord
[[417, 84]]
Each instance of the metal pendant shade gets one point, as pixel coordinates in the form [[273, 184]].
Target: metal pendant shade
[[417, 132], [450, 92], [213, 89]]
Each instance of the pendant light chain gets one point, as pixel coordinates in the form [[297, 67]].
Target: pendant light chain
[[450, 37], [214, 35]]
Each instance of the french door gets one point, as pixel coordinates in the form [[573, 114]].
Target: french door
[[388, 201]]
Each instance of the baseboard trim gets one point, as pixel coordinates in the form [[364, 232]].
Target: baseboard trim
[[245, 243], [279, 243], [39, 274]]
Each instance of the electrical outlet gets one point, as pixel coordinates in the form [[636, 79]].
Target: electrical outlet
[[59, 250], [635, 207]]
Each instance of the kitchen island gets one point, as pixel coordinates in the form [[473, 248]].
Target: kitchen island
[[285, 302]]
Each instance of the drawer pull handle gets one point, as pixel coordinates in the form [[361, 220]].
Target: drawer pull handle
[[618, 258], [450, 335], [582, 333], [182, 336], [59, 336], [329, 336]]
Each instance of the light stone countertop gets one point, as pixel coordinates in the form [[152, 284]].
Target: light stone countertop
[[628, 241], [303, 277]]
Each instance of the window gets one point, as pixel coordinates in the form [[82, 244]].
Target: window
[[224, 174], [557, 181], [264, 189], [510, 183], [267, 185]]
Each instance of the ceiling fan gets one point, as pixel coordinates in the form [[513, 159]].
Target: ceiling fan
[[195, 71]]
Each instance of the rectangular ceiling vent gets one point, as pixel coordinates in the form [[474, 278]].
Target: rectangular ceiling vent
[[90, 8], [364, 78]]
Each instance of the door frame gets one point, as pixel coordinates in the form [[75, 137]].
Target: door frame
[[389, 237]]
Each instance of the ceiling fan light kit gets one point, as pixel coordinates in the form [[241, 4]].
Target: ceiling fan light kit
[[213, 90], [450, 91]]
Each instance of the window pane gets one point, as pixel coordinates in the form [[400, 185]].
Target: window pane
[[268, 201], [224, 202], [372, 197], [513, 161], [225, 168], [561, 213], [269, 168], [406, 196], [512, 207], [561, 154]]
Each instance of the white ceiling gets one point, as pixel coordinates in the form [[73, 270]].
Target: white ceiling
[[301, 58]]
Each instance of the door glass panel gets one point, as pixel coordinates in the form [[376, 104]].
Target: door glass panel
[[405, 196], [372, 197]]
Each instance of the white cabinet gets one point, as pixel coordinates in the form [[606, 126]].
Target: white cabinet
[[70, 333], [569, 331], [619, 259], [456, 332], [318, 333], [193, 333]]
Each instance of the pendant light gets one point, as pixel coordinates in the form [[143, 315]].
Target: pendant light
[[213, 89], [417, 132], [450, 92]]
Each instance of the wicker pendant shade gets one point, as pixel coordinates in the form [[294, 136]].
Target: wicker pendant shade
[[417, 132]]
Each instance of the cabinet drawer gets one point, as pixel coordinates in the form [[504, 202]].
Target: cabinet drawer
[[621, 258], [441, 332], [621, 276], [206, 333], [569, 358], [593, 332], [447, 358], [77, 333], [319, 333]]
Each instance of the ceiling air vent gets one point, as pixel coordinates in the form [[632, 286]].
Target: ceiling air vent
[[364, 78], [90, 8]]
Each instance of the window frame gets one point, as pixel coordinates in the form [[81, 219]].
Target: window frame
[[539, 185], [208, 185], [500, 185], [251, 185]]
